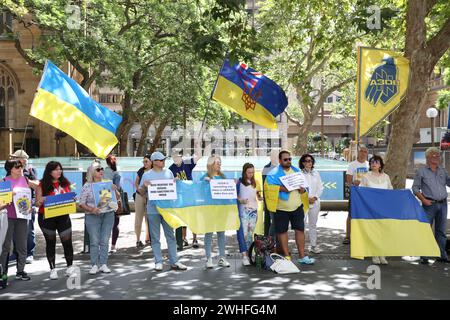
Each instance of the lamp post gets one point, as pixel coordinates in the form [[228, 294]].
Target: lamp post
[[432, 113]]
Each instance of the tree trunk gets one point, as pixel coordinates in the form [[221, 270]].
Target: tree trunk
[[145, 128], [302, 138], [158, 135]]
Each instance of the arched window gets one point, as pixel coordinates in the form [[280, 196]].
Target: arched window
[[8, 96]]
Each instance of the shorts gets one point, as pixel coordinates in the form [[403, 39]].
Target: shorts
[[281, 220]]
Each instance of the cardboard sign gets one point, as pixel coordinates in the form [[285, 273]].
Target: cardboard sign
[[104, 196], [162, 190], [294, 181], [22, 202], [60, 205], [223, 189], [5, 192]]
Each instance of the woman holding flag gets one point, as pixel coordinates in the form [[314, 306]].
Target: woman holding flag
[[213, 167], [53, 183]]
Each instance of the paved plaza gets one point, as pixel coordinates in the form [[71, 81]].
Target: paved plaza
[[334, 276]]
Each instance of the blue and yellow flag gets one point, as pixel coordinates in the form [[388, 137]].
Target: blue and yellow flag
[[382, 80], [249, 93], [389, 223], [195, 208], [61, 102]]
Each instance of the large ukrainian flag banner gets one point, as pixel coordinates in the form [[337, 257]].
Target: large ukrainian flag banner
[[249, 93], [195, 208], [63, 103], [382, 80], [389, 223]]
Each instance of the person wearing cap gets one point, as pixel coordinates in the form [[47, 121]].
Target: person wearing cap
[[30, 174], [158, 172], [430, 187], [356, 170]]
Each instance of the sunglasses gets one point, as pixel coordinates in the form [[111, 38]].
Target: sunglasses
[[18, 167], [287, 159], [375, 161], [99, 169], [307, 161]]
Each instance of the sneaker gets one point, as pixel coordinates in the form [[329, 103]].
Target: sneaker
[[159, 266], [70, 271], [245, 261], [53, 274], [195, 244], [315, 249], [22, 276], [209, 264], [139, 245], [178, 266], [94, 269], [104, 269], [113, 250], [223, 262], [383, 260], [306, 260], [424, 261], [288, 258], [29, 260], [346, 241], [376, 260]]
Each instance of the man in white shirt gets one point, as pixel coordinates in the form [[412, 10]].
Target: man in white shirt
[[355, 172]]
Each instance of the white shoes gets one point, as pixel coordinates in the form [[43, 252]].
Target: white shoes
[[315, 249], [245, 261], [158, 267], [70, 271], [179, 266], [104, 269], [93, 270], [209, 264], [376, 260], [223, 262], [53, 274]]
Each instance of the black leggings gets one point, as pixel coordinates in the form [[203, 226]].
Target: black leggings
[[49, 227]]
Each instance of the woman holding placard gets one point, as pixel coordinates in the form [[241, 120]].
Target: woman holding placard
[[19, 212], [99, 223], [54, 183], [213, 167], [249, 192]]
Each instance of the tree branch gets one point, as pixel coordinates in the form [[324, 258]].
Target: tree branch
[[32, 62], [440, 43], [429, 6], [290, 118]]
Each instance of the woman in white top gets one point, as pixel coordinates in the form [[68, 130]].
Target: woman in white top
[[306, 164], [376, 178]]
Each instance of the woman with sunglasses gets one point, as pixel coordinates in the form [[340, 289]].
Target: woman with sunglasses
[[99, 223], [376, 178], [112, 174], [140, 203], [306, 164], [16, 226], [53, 183]]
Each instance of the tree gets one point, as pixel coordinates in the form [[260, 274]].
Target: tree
[[427, 40]]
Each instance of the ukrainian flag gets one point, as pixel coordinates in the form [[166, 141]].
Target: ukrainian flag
[[382, 81], [389, 223], [195, 208], [64, 104], [249, 93]]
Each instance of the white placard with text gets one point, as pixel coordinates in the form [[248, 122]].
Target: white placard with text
[[223, 189], [294, 181], [162, 190]]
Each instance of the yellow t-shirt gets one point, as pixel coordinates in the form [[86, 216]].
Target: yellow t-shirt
[[294, 201]]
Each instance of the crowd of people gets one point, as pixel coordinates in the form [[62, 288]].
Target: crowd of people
[[101, 225]]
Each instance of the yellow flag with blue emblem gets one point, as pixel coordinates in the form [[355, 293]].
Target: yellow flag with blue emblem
[[382, 81]]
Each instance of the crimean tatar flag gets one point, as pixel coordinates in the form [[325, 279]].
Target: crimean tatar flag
[[249, 93], [381, 83], [389, 223], [195, 208], [61, 102]]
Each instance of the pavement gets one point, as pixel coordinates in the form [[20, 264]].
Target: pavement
[[334, 275]]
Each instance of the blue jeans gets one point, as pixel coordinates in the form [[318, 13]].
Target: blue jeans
[[99, 228], [155, 221], [220, 240], [438, 213]]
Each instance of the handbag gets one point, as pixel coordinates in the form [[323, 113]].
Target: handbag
[[124, 206], [282, 265]]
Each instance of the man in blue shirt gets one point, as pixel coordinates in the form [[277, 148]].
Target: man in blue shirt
[[158, 172], [182, 169]]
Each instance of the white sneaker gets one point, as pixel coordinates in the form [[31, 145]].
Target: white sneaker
[[94, 269], [223, 262], [315, 250], [376, 260], [29, 260], [70, 271], [383, 260], [246, 261], [209, 264], [53, 274], [158, 267], [179, 266], [104, 269]]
